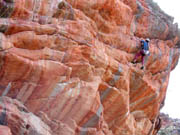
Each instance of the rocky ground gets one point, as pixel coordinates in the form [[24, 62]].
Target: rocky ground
[[169, 126]]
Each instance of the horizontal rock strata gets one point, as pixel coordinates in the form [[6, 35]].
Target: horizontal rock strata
[[69, 62]]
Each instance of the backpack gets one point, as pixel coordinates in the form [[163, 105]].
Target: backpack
[[145, 47]]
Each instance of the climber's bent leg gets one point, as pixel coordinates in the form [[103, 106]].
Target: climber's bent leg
[[136, 57], [142, 60]]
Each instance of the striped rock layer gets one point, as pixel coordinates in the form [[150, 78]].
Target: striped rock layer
[[69, 62], [15, 119]]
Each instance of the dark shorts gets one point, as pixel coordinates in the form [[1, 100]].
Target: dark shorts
[[142, 53]]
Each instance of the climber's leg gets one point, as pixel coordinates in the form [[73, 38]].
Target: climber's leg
[[142, 60], [136, 57]]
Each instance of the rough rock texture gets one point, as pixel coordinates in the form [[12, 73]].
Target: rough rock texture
[[4, 130], [19, 120], [169, 126], [70, 63]]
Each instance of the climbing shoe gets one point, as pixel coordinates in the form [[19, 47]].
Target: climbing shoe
[[142, 67]]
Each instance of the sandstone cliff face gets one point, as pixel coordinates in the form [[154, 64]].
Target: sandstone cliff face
[[16, 117], [70, 64]]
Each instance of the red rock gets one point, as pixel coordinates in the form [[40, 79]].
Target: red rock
[[70, 64], [19, 120], [4, 130]]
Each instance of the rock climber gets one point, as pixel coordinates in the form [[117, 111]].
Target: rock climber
[[144, 51]]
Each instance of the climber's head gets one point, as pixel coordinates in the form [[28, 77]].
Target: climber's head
[[147, 40]]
